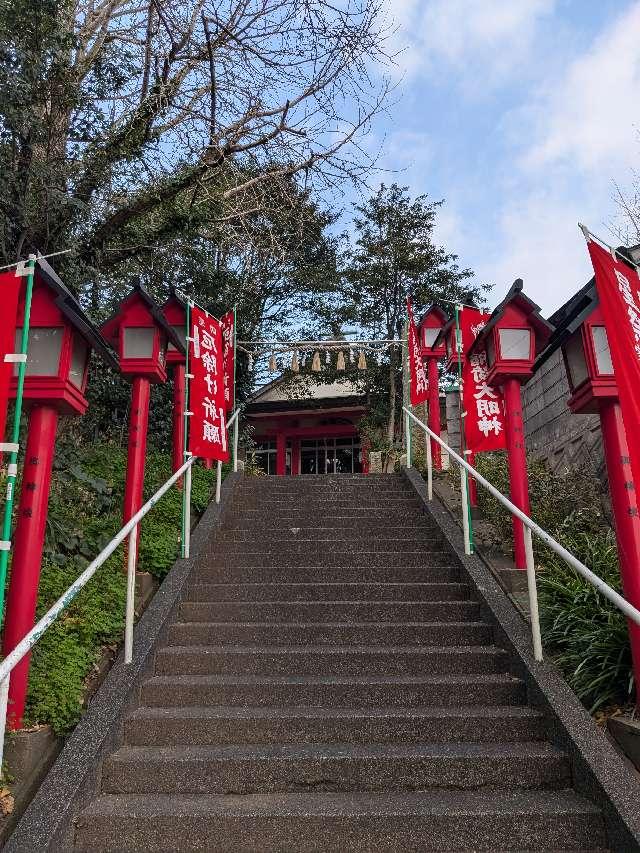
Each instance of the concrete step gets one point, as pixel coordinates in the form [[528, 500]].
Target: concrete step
[[249, 769], [329, 660], [273, 546], [423, 531], [442, 572], [330, 611], [332, 633], [327, 592], [333, 690], [359, 525], [331, 557], [342, 822], [236, 725]]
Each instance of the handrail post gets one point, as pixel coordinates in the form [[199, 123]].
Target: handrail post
[[235, 444], [186, 550], [408, 434], [427, 444], [218, 482], [131, 595], [533, 594], [465, 510], [4, 700]]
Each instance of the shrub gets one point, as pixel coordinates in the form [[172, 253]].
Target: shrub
[[585, 635], [85, 511]]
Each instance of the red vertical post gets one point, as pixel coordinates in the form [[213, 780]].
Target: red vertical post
[[27, 549], [281, 454], [178, 416], [517, 459], [625, 511], [434, 410], [295, 456], [138, 426], [473, 486]]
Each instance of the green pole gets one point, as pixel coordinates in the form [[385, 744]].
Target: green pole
[[186, 429], [15, 434], [463, 446]]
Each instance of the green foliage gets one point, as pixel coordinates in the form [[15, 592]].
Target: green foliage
[[84, 513], [586, 635]]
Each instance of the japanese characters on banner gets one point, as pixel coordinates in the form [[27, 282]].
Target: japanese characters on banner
[[228, 357], [619, 295], [418, 385], [207, 424], [9, 293], [484, 420]]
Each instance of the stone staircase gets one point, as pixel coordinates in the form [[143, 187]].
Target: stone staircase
[[331, 683]]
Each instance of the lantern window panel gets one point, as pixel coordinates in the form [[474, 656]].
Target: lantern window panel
[[44, 348], [491, 350], [576, 360], [138, 342], [604, 365], [515, 344], [180, 333], [429, 336], [79, 357]]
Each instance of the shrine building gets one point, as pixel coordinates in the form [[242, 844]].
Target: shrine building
[[308, 427]]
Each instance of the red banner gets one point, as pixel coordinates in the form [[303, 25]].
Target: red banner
[[228, 358], [207, 424], [483, 405], [9, 293], [418, 385], [618, 292]]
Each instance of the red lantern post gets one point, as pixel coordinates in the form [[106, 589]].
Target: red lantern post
[[512, 337], [59, 345], [585, 348], [430, 326], [139, 333], [175, 313]]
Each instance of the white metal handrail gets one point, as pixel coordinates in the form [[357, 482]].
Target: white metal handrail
[[530, 527], [130, 530]]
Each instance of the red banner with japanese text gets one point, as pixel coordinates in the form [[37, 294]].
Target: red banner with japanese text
[[484, 419], [418, 385], [9, 294], [618, 287], [207, 423], [228, 358]]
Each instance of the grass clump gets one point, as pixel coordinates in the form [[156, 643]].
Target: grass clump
[[85, 512], [582, 631]]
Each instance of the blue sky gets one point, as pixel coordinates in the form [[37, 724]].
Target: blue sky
[[521, 114]]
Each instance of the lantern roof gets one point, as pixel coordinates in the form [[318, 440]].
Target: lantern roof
[[173, 300], [111, 326], [542, 328], [70, 308], [568, 319], [435, 310]]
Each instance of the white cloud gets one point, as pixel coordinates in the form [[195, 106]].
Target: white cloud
[[587, 118], [481, 40]]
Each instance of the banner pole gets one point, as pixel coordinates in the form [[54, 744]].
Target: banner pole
[[463, 444], [236, 426], [186, 490], [15, 434]]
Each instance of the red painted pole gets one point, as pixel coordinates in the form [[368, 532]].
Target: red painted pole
[[434, 411], [625, 512], [281, 454], [295, 457], [138, 426], [473, 486], [517, 459], [178, 416], [27, 550]]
